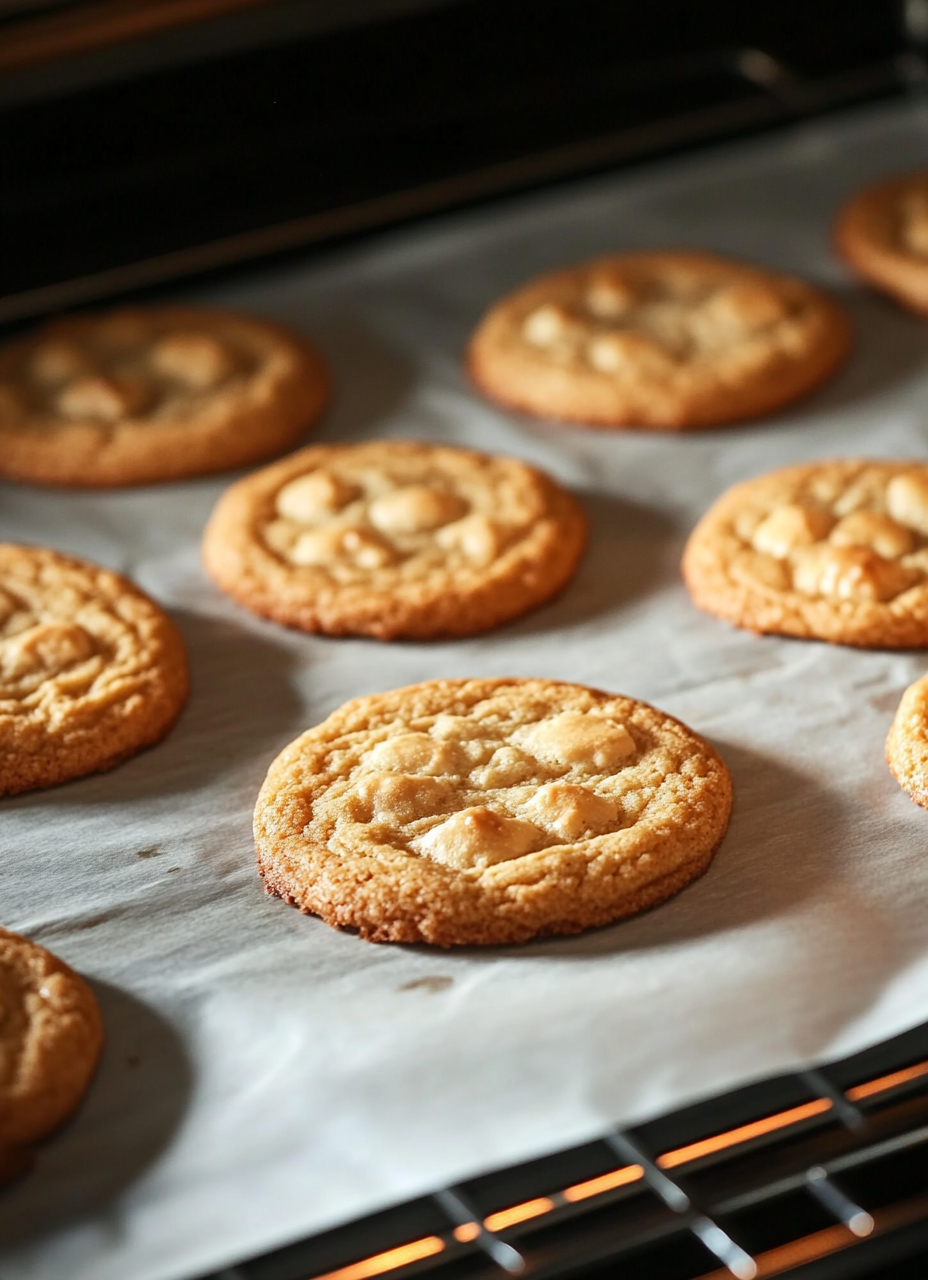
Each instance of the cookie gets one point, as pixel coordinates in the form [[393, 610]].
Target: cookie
[[148, 394], [882, 234], [489, 811], [907, 744], [91, 670], [51, 1034], [833, 550], [669, 341], [394, 539]]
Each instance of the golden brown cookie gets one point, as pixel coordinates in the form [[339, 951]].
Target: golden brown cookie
[[907, 743], [394, 539], [489, 811], [882, 233], [669, 341], [51, 1034], [91, 670], [148, 394], [833, 550]]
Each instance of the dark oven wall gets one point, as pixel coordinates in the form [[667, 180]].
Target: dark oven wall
[[171, 159]]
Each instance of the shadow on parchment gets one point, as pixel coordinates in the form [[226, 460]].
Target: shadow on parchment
[[759, 871], [242, 707], [135, 1103], [889, 346], [782, 853], [633, 551]]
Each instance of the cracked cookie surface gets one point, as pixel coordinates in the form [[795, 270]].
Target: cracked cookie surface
[[907, 743], [882, 234], [394, 539], [489, 811], [141, 395], [51, 1034], [833, 550], [91, 670], [670, 341]]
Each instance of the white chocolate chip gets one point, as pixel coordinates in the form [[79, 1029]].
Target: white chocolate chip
[[415, 509], [416, 753], [849, 573], [367, 550], [626, 352], [507, 767], [103, 399], [867, 491], [743, 308], [873, 529], [609, 297], [478, 837], [197, 360], [315, 496], [396, 798], [907, 501], [571, 812], [318, 546], [789, 527], [577, 738], [550, 325], [476, 536]]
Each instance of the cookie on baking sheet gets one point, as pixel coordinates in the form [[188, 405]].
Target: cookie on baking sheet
[[147, 394], [51, 1034], [91, 670], [394, 539], [907, 743], [834, 550], [882, 233], [670, 341], [489, 811]]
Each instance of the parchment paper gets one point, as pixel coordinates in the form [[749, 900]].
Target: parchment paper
[[265, 1076]]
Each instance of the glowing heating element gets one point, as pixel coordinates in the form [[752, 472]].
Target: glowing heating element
[[607, 1182], [388, 1261], [708, 1146], [518, 1213], [883, 1083]]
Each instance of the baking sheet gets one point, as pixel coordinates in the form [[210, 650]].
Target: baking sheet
[[265, 1076]]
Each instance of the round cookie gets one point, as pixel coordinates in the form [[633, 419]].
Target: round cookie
[[834, 550], [489, 811], [91, 670], [670, 341], [394, 539], [907, 743], [882, 234], [142, 395], [51, 1034]]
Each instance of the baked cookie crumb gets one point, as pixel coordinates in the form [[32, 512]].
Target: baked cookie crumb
[[147, 394], [882, 234], [834, 550], [51, 1034], [394, 539], [907, 743], [670, 341], [489, 811], [91, 670]]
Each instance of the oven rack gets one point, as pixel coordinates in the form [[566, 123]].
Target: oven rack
[[818, 1173]]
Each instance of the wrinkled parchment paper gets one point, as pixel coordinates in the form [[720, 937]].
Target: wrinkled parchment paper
[[265, 1076]]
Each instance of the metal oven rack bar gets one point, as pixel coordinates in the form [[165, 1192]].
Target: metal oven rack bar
[[820, 1173]]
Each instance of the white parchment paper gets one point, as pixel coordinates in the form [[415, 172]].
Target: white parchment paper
[[265, 1076]]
